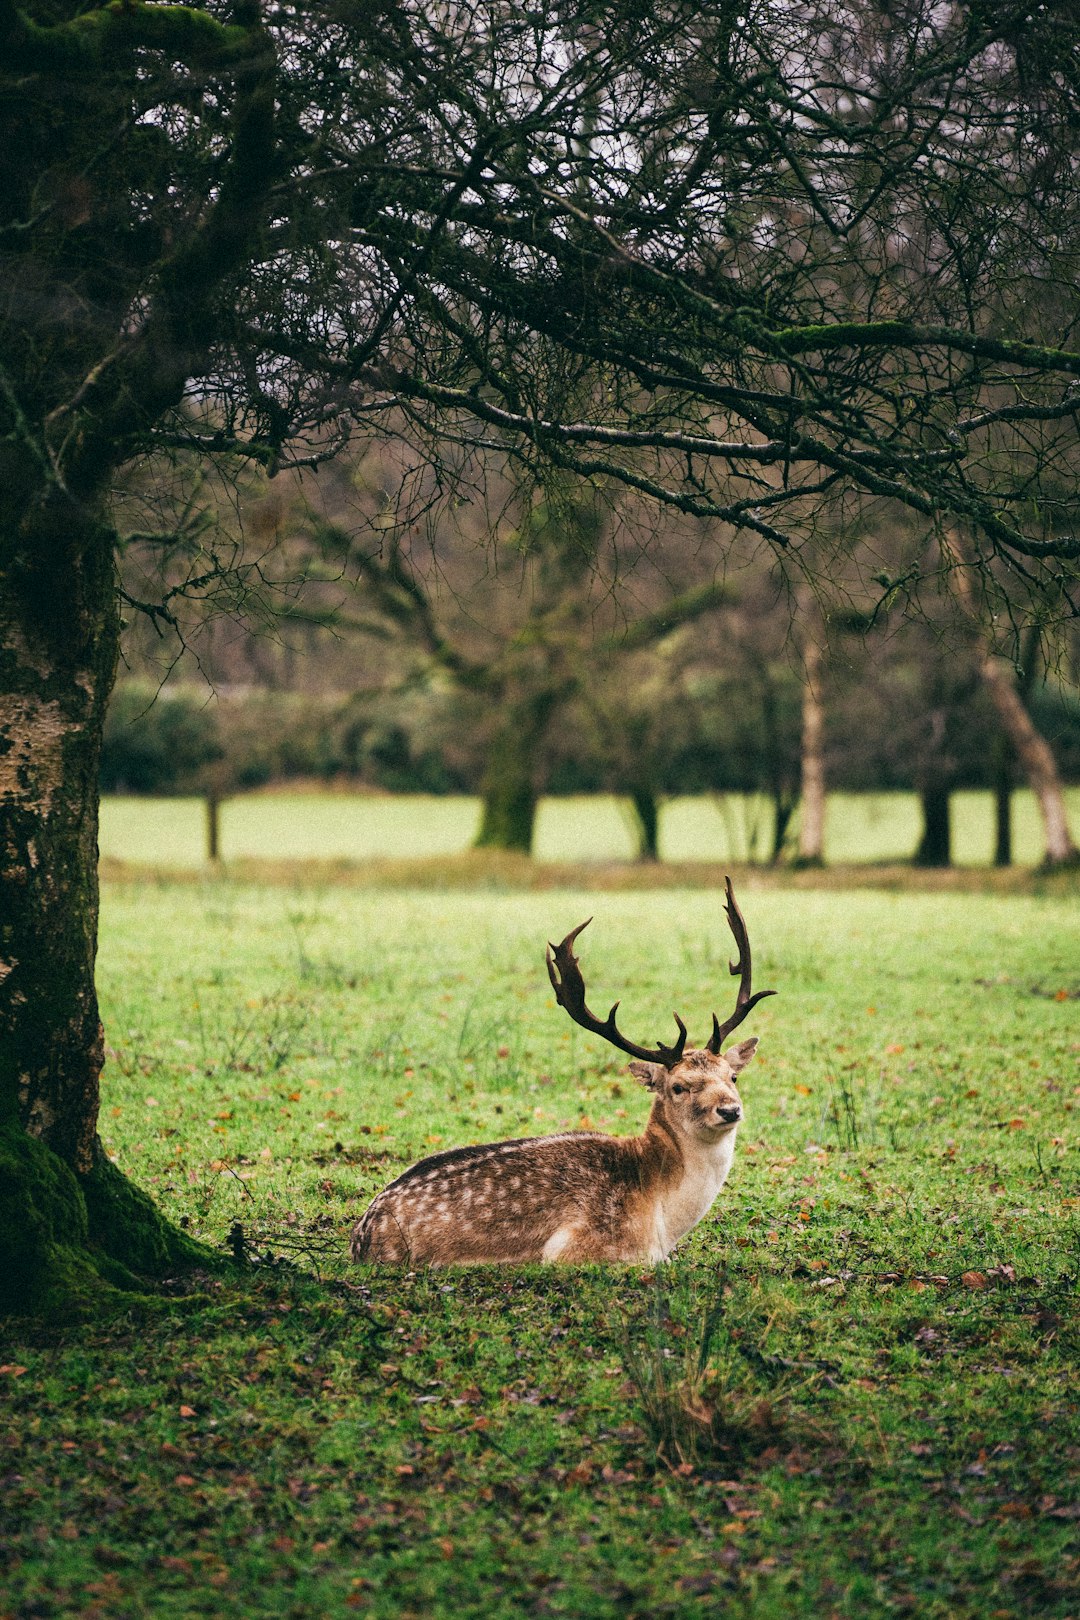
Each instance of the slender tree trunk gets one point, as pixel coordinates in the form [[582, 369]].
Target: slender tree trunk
[[1030, 746], [510, 790], [1003, 791], [647, 815], [812, 825], [1035, 756], [213, 825], [68, 1218], [785, 804], [934, 784], [935, 845]]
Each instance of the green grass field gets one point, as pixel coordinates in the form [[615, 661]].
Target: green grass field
[[878, 1419], [363, 827]]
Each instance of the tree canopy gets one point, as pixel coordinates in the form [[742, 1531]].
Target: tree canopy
[[740, 257]]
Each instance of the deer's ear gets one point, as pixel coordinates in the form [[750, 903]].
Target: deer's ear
[[650, 1074], [739, 1056]]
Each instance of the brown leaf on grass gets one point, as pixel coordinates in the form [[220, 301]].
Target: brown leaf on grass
[[13, 1370], [973, 1279], [187, 1411]]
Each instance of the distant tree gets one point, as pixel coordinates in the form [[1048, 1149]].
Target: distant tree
[[810, 629], [730, 256], [523, 634], [1006, 692]]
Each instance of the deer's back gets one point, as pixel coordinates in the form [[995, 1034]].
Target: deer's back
[[509, 1201]]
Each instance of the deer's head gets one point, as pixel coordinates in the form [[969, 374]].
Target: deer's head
[[697, 1088], [700, 1095]]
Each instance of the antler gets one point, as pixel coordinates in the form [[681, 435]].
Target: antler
[[570, 993], [744, 1000]]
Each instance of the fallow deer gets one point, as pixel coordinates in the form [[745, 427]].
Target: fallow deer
[[582, 1196]]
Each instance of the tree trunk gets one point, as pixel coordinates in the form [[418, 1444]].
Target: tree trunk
[[1003, 791], [647, 815], [812, 825], [509, 789], [935, 845], [213, 825], [1034, 754], [1030, 746], [785, 804], [68, 1218]]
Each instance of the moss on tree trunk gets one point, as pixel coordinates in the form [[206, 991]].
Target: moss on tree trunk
[[73, 1226]]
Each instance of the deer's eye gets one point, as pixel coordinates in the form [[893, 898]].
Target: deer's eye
[[677, 1091]]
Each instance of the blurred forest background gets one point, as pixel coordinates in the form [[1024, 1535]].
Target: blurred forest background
[[380, 629]]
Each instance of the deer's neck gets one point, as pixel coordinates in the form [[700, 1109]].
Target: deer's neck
[[686, 1175]]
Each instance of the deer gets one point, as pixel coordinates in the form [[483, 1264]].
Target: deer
[[580, 1197]]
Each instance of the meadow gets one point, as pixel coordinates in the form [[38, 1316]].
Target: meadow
[[851, 1394], [735, 827]]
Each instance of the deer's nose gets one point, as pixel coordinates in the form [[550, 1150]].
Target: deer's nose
[[729, 1114]]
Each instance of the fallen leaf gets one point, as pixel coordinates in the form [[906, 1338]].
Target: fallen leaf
[[187, 1411], [973, 1279], [13, 1369]]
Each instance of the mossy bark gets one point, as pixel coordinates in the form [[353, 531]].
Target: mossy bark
[[72, 1224]]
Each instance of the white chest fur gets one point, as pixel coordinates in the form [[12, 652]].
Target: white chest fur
[[682, 1203]]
